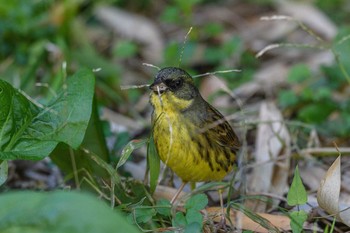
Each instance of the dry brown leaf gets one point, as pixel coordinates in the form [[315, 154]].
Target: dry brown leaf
[[272, 76], [245, 223], [259, 33], [134, 27], [266, 80], [329, 191], [310, 15], [165, 192], [273, 141]]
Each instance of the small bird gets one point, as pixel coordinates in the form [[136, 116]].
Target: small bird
[[190, 135]]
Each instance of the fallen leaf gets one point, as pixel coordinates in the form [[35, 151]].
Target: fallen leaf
[[273, 141], [245, 223], [310, 15], [329, 191], [134, 27]]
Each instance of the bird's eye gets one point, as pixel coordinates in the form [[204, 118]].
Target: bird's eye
[[174, 84]]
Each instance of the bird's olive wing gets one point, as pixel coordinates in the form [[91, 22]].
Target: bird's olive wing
[[220, 130], [212, 123]]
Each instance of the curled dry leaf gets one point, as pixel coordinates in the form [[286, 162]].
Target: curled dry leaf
[[329, 191], [273, 142]]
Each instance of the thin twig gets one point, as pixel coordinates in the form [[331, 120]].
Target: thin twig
[[150, 65], [183, 46], [216, 72], [126, 87]]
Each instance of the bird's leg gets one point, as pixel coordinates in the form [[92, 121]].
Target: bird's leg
[[193, 185], [178, 192], [222, 223]]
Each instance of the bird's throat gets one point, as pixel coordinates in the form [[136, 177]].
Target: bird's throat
[[168, 103]]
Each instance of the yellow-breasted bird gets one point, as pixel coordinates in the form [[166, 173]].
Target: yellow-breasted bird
[[190, 135]]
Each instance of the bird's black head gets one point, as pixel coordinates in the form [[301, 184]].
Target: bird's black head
[[175, 80]]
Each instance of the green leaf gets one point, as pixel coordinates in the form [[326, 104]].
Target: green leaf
[[193, 227], [297, 220], [153, 164], [170, 14], [94, 141], [3, 172], [299, 73], [316, 112], [143, 215], [125, 49], [340, 125], [129, 148], [120, 191], [197, 202], [341, 48], [58, 212], [287, 98], [297, 194], [172, 54], [213, 29], [179, 220], [213, 54], [193, 215], [31, 131], [322, 93], [166, 211]]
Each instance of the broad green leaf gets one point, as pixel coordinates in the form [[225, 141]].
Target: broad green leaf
[[297, 220], [193, 227], [323, 93], [58, 212], [316, 112], [197, 202], [153, 164], [193, 215], [287, 98], [32, 131], [179, 220], [94, 142], [3, 172], [166, 210], [129, 148], [297, 194]]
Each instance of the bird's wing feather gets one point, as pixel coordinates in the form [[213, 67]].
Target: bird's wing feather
[[220, 130], [211, 122]]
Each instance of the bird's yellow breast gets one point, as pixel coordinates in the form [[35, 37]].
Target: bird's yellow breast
[[191, 155]]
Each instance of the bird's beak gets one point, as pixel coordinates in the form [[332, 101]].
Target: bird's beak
[[158, 86]]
